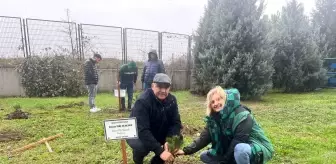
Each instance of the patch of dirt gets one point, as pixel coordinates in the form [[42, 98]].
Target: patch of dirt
[[191, 130], [182, 161], [6, 136], [18, 114], [70, 105]]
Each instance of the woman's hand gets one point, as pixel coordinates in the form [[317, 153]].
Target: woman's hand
[[179, 152]]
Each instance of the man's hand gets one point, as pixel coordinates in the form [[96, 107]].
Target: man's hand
[[166, 155], [178, 152]]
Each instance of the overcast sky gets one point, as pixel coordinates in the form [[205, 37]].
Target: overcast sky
[[180, 16]]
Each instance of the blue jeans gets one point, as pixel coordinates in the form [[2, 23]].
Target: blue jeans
[[129, 90], [242, 155], [92, 89], [140, 152]]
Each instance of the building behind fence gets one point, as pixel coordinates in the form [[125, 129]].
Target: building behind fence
[[20, 38]]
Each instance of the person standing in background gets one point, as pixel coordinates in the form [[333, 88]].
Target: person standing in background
[[91, 79], [151, 68], [128, 75]]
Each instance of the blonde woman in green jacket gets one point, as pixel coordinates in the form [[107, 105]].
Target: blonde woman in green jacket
[[233, 132]]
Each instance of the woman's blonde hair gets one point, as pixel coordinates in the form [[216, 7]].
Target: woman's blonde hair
[[219, 90]]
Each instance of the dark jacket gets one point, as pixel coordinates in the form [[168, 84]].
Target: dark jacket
[[128, 75], [156, 120], [152, 67], [90, 72]]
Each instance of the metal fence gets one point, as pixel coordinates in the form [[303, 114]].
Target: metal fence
[[139, 42], [106, 40], [29, 37], [11, 38], [175, 49], [46, 37]]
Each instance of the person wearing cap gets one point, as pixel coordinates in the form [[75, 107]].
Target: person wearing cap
[[91, 79], [151, 67], [157, 116], [128, 74]]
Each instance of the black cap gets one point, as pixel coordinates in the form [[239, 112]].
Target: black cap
[[96, 55]]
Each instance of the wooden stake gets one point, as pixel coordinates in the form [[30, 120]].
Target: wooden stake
[[123, 149], [118, 84], [122, 142], [48, 146], [29, 146]]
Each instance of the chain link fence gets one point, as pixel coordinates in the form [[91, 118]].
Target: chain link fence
[[49, 38], [11, 38], [20, 38], [175, 49], [139, 42], [36, 37], [175, 56], [101, 39]]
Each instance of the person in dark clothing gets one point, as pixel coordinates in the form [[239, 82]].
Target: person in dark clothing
[[91, 79], [233, 132], [151, 67], [157, 116], [128, 74]]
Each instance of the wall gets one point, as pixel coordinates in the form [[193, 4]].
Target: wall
[[10, 80]]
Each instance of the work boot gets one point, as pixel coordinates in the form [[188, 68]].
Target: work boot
[[123, 108]]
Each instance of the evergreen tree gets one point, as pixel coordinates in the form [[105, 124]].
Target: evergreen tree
[[324, 21], [297, 62], [231, 48]]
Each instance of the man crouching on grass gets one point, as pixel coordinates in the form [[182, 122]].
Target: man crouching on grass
[[157, 117]]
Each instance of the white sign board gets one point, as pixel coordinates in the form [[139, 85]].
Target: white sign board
[[122, 93], [118, 129]]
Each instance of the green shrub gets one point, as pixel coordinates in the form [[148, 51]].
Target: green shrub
[[52, 76]]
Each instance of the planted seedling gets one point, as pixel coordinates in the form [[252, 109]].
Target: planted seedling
[[174, 144]]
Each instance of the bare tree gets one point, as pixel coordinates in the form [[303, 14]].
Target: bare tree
[[70, 31]]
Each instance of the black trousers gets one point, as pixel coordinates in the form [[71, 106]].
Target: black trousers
[[140, 152]]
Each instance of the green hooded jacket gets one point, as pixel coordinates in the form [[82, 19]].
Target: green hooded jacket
[[128, 73], [229, 120]]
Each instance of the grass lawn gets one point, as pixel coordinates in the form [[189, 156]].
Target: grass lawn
[[302, 128]]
